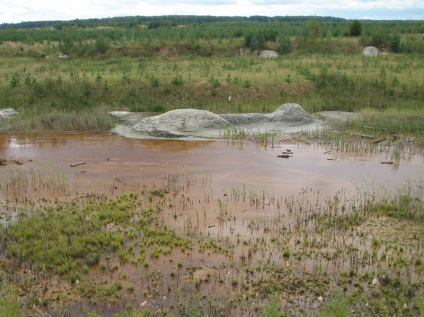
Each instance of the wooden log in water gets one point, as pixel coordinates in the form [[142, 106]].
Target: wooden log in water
[[4, 162], [78, 163]]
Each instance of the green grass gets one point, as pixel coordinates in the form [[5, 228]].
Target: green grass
[[9, 301], [64, 238], [51, 121], [394, 120], [75, 94], [337, 306]]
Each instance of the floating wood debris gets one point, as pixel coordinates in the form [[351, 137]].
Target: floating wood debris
[[390, 163], [284, 155], [78, 163], [4, 162]]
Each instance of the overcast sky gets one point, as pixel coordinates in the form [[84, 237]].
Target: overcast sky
[[14, 11]]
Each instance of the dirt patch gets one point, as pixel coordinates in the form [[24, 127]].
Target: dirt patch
[[298, 88], [164, 51], [201, 83]]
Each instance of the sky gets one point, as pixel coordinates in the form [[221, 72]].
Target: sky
[[15, 11]]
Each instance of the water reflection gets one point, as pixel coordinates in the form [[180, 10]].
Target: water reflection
[[107, 157], [173, 145]]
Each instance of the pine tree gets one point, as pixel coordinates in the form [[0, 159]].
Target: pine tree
[[355, 28]]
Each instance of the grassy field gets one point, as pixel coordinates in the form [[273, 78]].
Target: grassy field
[[43, 89]]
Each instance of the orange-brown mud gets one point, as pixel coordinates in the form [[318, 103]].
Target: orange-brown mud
[[110, 158], [241, 194], [249, 181]]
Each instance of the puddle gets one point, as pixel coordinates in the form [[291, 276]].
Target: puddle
[[240, 193], [108, 158], [220, 188]]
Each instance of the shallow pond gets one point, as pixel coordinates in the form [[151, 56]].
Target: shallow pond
[[229, 190], [107, 158], [220, 178]]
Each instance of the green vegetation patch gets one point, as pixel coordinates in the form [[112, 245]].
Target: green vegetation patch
[[64, 237]]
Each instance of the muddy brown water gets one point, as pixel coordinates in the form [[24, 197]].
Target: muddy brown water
[[221, 179], [223, 189], [230, 187], [109, 156], [215, 172]]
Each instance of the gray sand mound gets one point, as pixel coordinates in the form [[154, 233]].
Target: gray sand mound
[[182, 122], [202, 123], [290, 113]]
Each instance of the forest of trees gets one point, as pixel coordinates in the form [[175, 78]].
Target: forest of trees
[[91, 37], [170, 20]]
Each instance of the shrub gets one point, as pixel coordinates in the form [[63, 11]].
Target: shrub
[[312, 29], [102, 44], [394, 43], [285, 45], [256, 40], [355, 28], [379, 39], [92, 258]]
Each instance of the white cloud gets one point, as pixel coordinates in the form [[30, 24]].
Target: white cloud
[[31, 10]]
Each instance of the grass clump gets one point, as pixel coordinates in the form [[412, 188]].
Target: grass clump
[[68, 236], [401, 206], [58, 239], [98, 120], [338, 306], [9, 301], [393, 120]]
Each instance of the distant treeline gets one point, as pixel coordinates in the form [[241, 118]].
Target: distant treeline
[[132, 36], [402, 26], [167, 20]]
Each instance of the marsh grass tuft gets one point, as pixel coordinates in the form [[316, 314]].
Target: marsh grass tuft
[[65, 237], [337, 306]]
